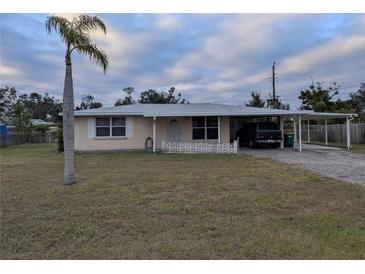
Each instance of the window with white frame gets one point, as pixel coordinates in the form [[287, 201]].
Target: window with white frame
[[110, 127], [205, 128]]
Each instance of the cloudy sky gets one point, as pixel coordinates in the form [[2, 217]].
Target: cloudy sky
[[215, 58]]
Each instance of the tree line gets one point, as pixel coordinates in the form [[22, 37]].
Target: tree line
[[149, 96], [18, 109], [319, 99]]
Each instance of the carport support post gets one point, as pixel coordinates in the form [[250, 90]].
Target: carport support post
[[300, 132], [154, 134], [309, 134], [295, 130], [282, 131], [219, 129], [348, 139], [325, 132]]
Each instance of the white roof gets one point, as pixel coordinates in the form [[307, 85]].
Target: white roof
[[38, 122], [174, 110]]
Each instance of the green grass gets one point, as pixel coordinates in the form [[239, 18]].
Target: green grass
[[358, 148], [143, 206]]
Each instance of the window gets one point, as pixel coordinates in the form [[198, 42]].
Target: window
[[102, 127], [118, 126], [212, 127], [110, 126], [198, 128], [205, 128]]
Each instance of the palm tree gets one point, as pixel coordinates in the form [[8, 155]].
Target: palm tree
[[75, 35]]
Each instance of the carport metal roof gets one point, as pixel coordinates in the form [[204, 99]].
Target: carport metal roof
[[311, 115]]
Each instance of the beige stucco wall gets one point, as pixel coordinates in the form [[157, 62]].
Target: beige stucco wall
[[142, 128], [162, 126], [224, 129]]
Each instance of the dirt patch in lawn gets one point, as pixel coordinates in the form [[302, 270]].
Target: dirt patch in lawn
[[143, 206]]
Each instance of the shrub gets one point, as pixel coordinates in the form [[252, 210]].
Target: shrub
[[59, 139], [41, 128]]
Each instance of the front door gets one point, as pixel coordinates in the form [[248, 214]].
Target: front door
[[174, 131]]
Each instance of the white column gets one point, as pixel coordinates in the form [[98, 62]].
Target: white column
[[325, 132], [219, 129], [348, 137], [300, 132], [154, 134], [295, 130], [282, 132], [309, 134]]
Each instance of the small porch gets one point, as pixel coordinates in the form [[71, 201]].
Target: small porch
[[192, 134]]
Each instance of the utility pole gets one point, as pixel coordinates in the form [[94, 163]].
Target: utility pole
[[273, 101], [273, 86]]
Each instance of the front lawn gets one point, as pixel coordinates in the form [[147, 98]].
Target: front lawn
[[143, 206]]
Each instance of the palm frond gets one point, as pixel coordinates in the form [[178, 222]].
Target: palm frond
[[95, 54], [60, 25], [75, 34], [86, 22], [79, 39]]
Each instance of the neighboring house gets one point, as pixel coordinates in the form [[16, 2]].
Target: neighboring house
[[128, 127], [40, 122]]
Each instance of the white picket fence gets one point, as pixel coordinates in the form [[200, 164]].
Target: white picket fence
[[187, 147]]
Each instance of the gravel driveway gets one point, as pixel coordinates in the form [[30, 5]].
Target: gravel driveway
[[328, 161]]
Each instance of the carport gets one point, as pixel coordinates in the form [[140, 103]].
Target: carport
[[301, 120], [308, 116]]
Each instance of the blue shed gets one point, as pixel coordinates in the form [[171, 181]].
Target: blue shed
[[3, 135]]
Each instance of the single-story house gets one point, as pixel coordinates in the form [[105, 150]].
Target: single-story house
[[137, 126]]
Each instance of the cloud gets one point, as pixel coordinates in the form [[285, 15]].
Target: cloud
[[6, 70], [333, 50], [236, 54], [167, 22], [207, 57], [227, 51]]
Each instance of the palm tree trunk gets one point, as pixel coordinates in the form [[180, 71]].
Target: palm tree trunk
[[68, 123]]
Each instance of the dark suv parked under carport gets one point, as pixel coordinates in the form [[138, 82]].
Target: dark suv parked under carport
[[260, 133]]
